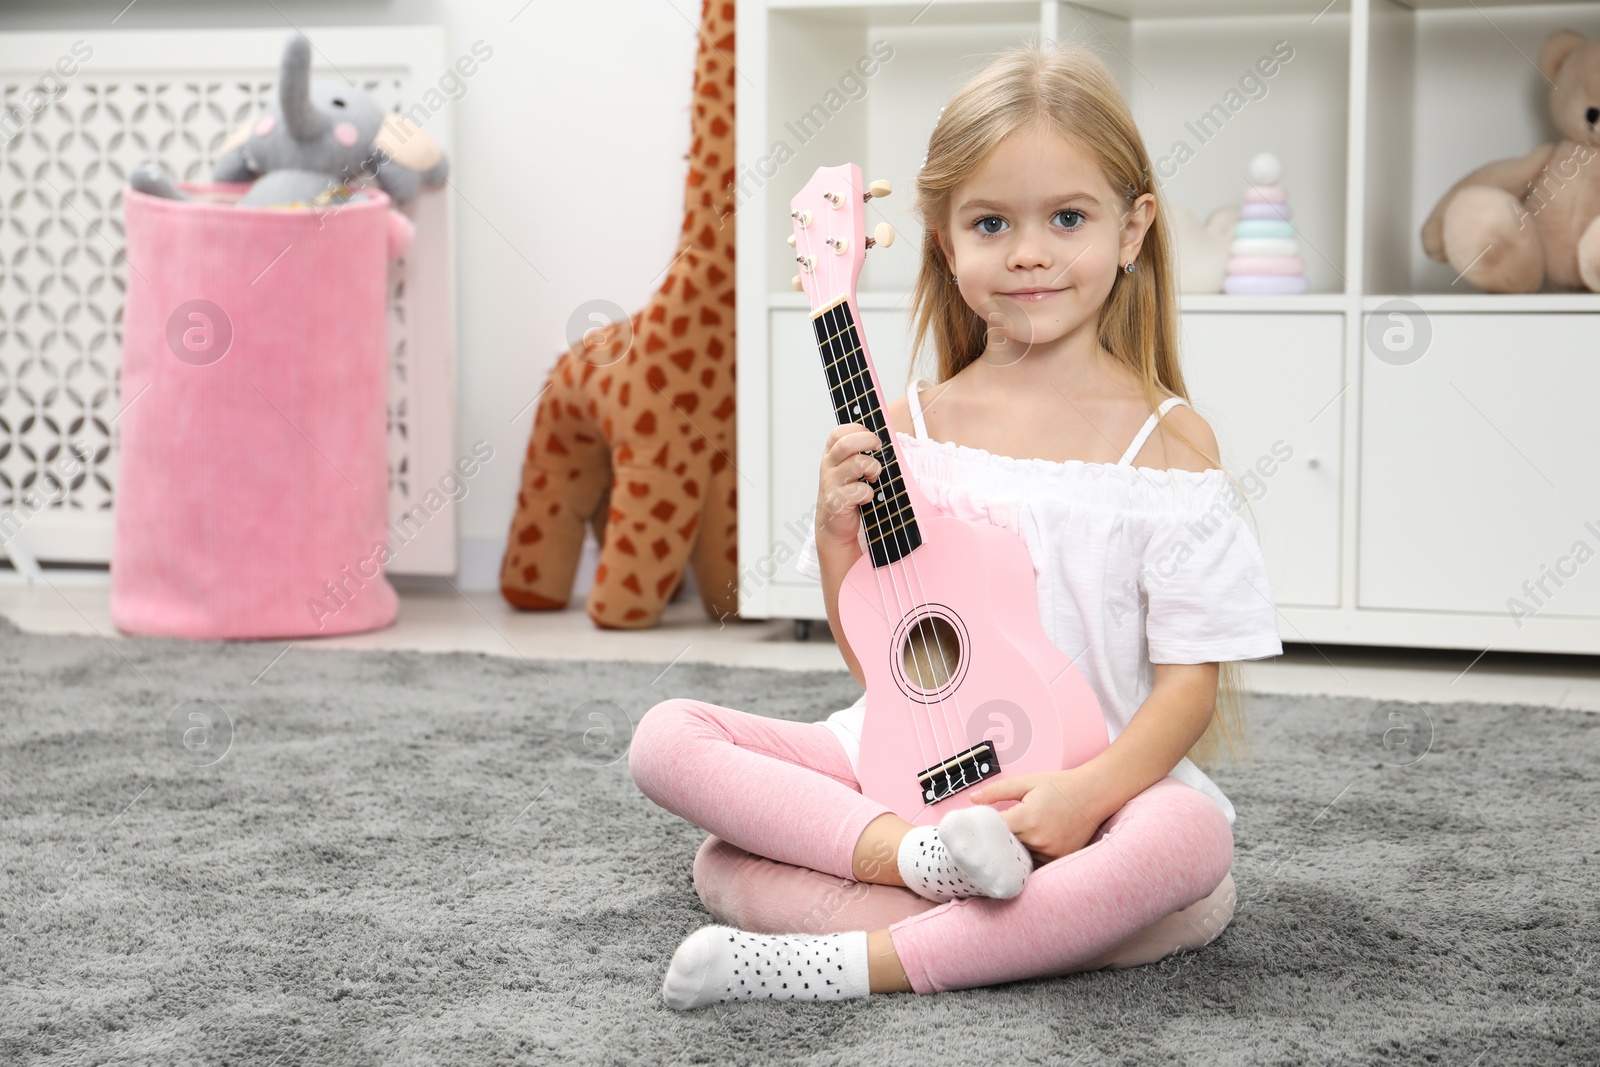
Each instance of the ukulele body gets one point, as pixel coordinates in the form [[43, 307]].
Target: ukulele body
[[968, 662]]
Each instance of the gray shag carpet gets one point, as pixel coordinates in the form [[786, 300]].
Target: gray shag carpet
[[398, 857]]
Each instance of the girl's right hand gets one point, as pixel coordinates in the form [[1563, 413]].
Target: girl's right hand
[[840, 490]]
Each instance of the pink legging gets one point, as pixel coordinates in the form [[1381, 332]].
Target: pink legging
[[786, 790]]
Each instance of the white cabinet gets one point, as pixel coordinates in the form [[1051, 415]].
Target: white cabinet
[[1285, 454], [1480, 484], [1397, 503]]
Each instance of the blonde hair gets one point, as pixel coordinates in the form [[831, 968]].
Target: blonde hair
[[1067, 89]]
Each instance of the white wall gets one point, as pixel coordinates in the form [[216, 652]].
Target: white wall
[[569, 161]]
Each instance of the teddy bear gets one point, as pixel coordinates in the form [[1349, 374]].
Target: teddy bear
[[1515, 225]]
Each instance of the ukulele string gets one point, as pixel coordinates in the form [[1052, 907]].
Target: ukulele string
[[832, 353], [921, 630], [954, 737], [958, 738]]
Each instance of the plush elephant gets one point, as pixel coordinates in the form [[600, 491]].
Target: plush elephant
[[318, 145]]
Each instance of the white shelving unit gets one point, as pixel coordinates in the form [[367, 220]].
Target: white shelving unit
[[1428, 486]]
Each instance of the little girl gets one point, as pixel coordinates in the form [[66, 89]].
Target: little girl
[[1046, 286]]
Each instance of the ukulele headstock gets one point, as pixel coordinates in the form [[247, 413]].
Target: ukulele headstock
[[828, 218]]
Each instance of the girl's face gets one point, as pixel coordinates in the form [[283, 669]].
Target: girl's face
[[1037, 237]]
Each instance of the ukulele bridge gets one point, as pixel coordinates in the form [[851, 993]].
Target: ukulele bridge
[[961, 771]]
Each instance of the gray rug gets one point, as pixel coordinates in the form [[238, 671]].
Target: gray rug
[[423, 858]]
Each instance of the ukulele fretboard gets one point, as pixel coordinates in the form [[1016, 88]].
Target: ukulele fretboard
[[891, 527]]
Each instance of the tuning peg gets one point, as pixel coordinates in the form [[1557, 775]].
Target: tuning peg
[[882, 234], [880, 187], [790, 239], [795, 281]]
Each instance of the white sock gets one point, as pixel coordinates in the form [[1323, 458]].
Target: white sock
[[986, 851], [720, 963], [971, 853]]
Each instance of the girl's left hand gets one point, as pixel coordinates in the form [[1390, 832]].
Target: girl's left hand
[[1055, 815]]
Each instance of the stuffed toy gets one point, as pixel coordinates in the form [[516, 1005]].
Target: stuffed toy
[[633, 434], [316, 146], [1516, 224], [1202, 246]]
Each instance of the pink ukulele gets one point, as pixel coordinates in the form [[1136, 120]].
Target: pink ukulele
[[941, 612]]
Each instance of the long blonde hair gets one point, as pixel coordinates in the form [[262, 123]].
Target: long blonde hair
[[1066, 88]]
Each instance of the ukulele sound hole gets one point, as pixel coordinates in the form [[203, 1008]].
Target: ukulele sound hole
[[931, 653]]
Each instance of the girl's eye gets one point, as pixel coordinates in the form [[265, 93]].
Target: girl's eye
[[983, 226]]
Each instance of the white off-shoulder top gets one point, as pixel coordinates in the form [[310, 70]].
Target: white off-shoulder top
[[1133, 566]]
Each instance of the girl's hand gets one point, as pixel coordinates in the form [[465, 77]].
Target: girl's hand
[[1055, 816], [840, 490]]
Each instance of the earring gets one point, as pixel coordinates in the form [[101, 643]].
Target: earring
[[1127, 268], [952, 279]]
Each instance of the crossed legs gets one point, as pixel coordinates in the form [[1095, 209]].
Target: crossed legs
[[753, 781]]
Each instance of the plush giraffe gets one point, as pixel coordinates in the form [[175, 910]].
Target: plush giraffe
[[634, 435]]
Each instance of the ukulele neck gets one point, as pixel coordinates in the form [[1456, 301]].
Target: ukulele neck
[[888, 518]]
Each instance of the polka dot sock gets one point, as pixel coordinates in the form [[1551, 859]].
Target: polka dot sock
[[971, 853], [720, 963]]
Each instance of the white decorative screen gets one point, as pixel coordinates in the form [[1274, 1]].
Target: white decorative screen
[[67, 146]]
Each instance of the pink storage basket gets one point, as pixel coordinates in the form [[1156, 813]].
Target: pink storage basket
[[253, 471]]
